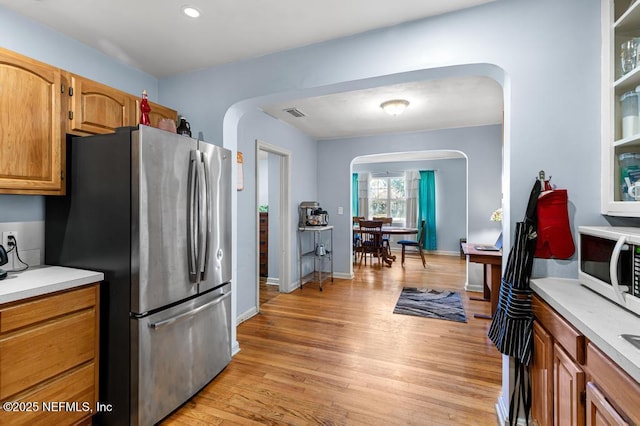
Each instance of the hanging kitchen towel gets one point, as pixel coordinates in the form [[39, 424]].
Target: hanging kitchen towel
[[554, 232]]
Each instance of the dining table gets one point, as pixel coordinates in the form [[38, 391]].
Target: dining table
[[387, 257]]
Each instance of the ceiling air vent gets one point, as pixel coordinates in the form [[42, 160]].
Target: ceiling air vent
[[295, 112]]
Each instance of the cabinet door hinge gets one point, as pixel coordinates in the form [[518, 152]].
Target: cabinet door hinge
[[70, 91], [62, 175], [583, 397], [62, 88], [70, 115]]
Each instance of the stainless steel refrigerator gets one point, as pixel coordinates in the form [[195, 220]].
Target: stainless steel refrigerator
[[150, 209]]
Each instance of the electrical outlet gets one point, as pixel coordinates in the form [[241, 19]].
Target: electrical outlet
[[5, 243], [5, 239]]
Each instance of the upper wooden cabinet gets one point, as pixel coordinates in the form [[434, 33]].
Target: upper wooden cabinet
[[96, 108], [157, 113], [39, 105], [32, 157]]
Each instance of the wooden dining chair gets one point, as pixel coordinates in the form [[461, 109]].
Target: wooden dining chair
[[370, 240], [356, 236], [415, 243], [386, 221]]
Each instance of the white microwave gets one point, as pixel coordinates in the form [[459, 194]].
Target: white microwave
[[609, 261]]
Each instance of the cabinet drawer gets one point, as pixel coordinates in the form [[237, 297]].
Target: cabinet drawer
[[75, 387], [599, 410], [621, 390], [21, 314], [38, 353], [569, 338]]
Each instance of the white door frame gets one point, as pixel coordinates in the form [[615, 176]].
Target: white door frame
[[285, 217]]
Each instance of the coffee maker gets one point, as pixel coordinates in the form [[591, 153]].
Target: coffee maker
[[311, 214]]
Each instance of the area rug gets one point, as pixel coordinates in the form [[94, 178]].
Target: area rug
[[423, 302]]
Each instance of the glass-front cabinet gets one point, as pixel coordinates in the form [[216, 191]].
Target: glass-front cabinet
[[620, 193]]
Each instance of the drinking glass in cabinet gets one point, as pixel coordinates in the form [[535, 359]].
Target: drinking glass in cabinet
[[628, 55], [630, 117]]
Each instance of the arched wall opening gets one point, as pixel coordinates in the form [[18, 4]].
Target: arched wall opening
[[465, 138], [450, 168]]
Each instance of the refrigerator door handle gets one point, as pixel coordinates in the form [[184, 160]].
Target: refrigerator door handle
[[187, 314], [191, 219], [207, 228], [202, 221]]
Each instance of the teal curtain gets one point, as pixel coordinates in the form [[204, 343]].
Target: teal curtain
[[427, 208], [354, 194]]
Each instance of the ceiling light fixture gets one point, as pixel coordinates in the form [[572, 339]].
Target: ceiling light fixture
[[190, 11], [394, 106]]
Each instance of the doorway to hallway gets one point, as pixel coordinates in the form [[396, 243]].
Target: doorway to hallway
[[272, 221]]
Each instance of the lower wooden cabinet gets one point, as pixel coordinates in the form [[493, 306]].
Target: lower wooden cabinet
[[542, 375], [568, 389], [49, 358], [599, 410], [586, 387], [620, 390]]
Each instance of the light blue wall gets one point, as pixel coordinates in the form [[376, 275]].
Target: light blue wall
[[545, 54], [263, 191], [257, 125], [39, 42], [451, 195], [481, 145]]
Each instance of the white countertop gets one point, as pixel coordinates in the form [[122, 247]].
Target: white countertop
[[599, 319], [40, 280]]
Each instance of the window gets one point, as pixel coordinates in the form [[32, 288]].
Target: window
[[387, 198]]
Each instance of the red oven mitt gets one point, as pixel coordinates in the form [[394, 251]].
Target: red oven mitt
[[554, 232]]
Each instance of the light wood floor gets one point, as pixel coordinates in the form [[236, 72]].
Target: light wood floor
[[267, 292], [341, 357]]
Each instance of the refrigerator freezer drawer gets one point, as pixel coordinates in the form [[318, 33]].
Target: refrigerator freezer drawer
[[176, 352]]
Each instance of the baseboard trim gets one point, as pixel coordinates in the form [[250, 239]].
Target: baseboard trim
[[273, 281], [439, 252], [474, 287], [343, 275], [235, 348], [246, 315], [502, 410], [443, 252]]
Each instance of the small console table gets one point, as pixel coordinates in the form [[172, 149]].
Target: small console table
[[492, 265], [319, 252]]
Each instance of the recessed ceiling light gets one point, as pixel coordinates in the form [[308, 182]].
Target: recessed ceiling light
[[190, 11], [394, 106]]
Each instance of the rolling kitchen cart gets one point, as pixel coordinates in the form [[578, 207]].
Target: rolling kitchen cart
[[316, 248]]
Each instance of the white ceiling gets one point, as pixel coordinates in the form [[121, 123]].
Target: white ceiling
[[433, 104], [154, 37]]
